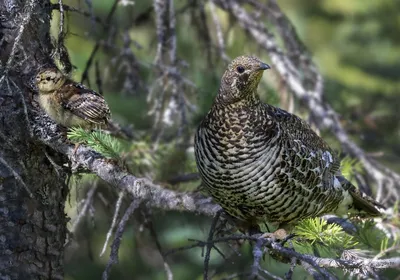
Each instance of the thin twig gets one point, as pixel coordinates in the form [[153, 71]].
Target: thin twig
[[113, 223], [57, 168], [218, 29], [61, 24], [153, 232], [270, 275], [257, 255], [55, 6], [293, 263], [118, 237], [316, 266], [97, 46], [209, 246], [98, 78], [311, 270], [160, 8], [90, 6], [83, 211], [387, 251], [172, 33]]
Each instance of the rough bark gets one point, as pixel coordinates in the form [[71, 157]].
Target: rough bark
[[33, 150], [32, 187]]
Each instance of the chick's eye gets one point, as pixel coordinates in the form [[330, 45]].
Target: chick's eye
[[240, 69], [48, 79]]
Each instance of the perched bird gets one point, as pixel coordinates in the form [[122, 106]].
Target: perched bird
[[263, 164], [69, 103]]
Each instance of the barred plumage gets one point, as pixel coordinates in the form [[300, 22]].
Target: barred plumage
[[263, 164]]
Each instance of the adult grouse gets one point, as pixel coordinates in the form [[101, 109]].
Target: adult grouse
[[263, 164]]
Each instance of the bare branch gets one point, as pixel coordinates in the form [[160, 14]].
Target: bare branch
[[167, 94], [87, 201], [387, 251], [55, 6], [153, 232], [161, 10], [118, 237], [61, 24], [218, 29], [97, 46], [289, 274], [140, 189], [257, 255], [209, 246], [315, 266], [114, 222]]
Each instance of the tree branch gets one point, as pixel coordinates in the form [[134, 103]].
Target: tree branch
[[316, 266], [141, 189]]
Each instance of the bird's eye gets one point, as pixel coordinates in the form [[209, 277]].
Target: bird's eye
[[240, 69], [48, 79]]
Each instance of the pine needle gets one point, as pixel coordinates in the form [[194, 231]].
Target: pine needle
[[317, 230], [99, 141]]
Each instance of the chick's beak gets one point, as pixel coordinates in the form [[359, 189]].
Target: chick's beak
[[263, 66]]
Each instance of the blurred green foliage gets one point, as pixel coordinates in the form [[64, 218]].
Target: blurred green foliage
[[355, 44]]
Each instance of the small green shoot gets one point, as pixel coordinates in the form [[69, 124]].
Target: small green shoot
[[99, 141]]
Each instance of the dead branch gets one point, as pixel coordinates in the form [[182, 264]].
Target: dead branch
[[153, 232], [209, 246], [114, 221], [218, 29], [141, 189], [316, 266], [97, 46], [167, 95], [55, 6], [86, 202], [118, 237]]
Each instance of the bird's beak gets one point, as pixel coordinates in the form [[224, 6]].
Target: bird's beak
[[263, 66]]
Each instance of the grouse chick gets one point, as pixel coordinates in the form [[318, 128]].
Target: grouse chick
[[69, 103], [263, 164]]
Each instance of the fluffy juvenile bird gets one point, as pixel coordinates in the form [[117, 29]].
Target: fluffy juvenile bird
[[263, 164], [69, 103]]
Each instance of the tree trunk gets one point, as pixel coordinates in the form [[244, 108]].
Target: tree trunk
[[32, 183]]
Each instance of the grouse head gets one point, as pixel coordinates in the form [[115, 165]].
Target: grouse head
[[241, 79], [49, 80]]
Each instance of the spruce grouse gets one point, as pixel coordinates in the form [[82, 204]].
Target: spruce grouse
[[263, 164]]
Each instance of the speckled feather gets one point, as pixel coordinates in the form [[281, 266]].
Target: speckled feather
[[263, 164], [88, 104], [70, 103]]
